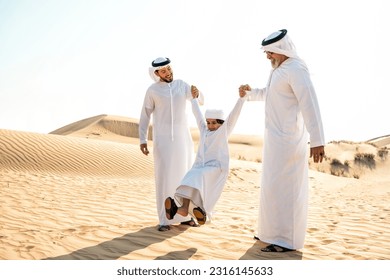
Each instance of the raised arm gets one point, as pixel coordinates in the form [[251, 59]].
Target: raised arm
[[200, 121], [231, 120]]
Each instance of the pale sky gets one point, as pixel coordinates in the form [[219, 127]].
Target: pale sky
[[66, 60]]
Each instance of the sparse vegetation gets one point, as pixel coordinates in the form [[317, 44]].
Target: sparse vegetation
[[353, 159], [342, 141], [343, 158], [383, 153], [336, 162], [365, 160], [337, 168]]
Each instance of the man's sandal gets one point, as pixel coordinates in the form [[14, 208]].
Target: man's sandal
[[276, 248]]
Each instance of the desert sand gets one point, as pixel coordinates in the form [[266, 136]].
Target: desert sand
[[85, 191]]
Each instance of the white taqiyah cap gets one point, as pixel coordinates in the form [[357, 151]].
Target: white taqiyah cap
[[214, 114]]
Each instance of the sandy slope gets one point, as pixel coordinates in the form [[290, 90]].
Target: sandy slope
[[74, 196]]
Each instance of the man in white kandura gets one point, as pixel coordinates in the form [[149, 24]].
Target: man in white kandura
[[290, 106], [203, 184], [173, 148]]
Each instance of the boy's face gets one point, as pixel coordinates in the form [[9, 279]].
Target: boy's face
[[212, 124]]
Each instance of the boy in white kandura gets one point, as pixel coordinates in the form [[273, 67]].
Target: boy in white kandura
[[202, 186]]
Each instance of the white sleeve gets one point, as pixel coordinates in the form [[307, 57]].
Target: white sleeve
[[256, 94], [304, 91], [200, 121], [144, 121], [231, 120]]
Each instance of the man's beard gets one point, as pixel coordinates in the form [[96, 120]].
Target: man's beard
[[275, 63], [167, 80]]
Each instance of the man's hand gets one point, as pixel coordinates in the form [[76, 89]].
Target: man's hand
[[144, 149], [194, 92], [318, 153]]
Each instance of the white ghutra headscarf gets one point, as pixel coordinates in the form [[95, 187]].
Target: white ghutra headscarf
[[279, 42], [157, 64]]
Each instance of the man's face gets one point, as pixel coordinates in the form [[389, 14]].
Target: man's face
[[165, 74], [276, 59]]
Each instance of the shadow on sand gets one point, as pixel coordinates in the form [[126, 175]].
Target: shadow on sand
[[124, 245], [178, 255]]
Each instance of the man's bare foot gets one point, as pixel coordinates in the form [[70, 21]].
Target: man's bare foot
[[182, 211]]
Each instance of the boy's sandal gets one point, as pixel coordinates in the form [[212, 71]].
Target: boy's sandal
[[200, 215], [170, 208]]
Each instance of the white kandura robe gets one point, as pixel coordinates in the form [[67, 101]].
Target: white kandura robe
[[173, 148], [204, 182], [290, 106]]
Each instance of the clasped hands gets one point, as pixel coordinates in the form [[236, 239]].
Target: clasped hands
[[243, 89]]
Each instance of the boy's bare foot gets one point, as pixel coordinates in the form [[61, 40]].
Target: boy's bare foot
[[182, 211]]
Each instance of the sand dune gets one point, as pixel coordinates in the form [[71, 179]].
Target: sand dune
[[85, 191], [104, 127], [69, 155]]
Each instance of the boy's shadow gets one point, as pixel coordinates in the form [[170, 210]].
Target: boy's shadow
[[254, 253], [123, 245]]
